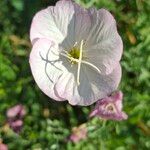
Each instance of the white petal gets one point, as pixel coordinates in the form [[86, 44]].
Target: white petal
[[65, 23], [94, 86], [82, 23], [45, 66], [104, 45], [52, 23], [66, 85], [66, 88]]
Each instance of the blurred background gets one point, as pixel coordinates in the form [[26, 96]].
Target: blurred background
[[47, 124]]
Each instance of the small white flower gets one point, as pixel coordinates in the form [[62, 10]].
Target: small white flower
[[76, 53]]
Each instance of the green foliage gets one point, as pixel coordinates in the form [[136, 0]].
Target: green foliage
[[47, 123]]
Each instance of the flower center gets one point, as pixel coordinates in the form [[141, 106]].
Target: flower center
[[75, 56], [74, 53], [110, 108]]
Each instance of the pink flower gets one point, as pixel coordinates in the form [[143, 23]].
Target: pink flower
[[78, 133], [3, 146], [76, 53], [16, 111], [110, 108], [16, 125], [15, 116]]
